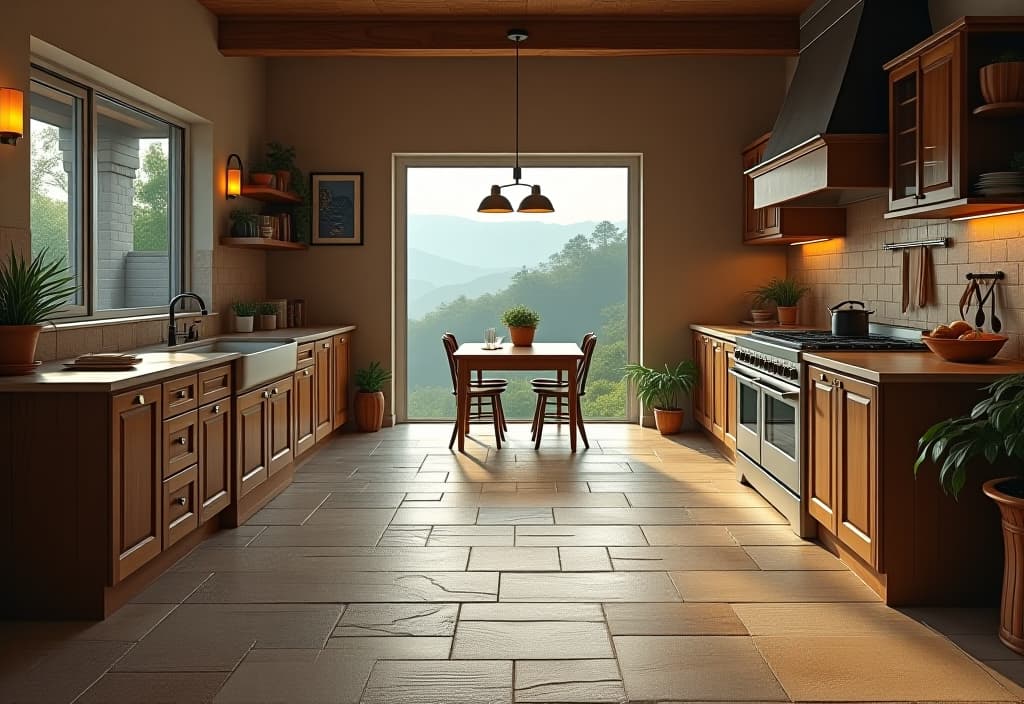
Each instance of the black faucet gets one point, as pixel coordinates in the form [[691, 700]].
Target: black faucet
[[172, 330]]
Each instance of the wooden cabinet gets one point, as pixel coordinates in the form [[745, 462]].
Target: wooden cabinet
[[181, 505], [137, 467], [731, 398], [215, 485], [843, 493], [181, 443], [699, 408], [324, 396], [714, 398], [942, 134], [252, 453], [305, 409], [782, 225], [339, 382], [281, 424]]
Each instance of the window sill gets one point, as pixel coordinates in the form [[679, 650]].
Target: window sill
[[102, 322]]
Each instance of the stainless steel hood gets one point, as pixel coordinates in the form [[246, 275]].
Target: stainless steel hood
[[829, 144]]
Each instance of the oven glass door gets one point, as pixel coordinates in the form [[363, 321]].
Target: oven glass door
[[780, 435], [748, 414]]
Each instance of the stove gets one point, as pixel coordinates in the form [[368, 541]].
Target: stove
[[825, 340]]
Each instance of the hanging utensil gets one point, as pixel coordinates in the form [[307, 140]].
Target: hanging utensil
[[965, 299], [997, 324], [979, 317]]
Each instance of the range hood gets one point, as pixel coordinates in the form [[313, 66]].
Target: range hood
[[829, 146]]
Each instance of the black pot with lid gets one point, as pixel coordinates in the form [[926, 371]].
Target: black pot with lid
[[850, 322]]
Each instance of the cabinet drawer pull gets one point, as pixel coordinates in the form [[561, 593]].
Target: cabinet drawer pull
[[140, 400], [305, 372], [275, 392], [182, 394], [181, 501], [823, 377], [326, 345], [265, 394], [216, 408], [181, 440]]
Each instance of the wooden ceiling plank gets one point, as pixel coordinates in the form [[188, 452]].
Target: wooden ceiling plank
[[486, 37]]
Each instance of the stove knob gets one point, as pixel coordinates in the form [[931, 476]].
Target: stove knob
[[794, 373]]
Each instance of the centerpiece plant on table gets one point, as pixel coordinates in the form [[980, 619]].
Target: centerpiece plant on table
[[522, 324]]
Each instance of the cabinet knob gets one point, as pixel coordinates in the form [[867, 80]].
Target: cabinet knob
[[265, 394], [305, 372], [216, 408], [182, 394], [823, 377], [181, 440], [839, 384], [181, 501], [140, 399], [275, 392], [326, 345]]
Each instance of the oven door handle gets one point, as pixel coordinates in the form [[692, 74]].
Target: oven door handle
[[786, 393], [744, 376]]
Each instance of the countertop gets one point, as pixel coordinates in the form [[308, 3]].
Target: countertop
[[158, 363], [730, 331], [911, 367]]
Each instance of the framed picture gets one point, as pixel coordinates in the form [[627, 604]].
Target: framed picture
[[337, 208]]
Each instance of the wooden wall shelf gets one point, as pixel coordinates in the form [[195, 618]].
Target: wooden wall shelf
[[270, 195], [261, 243]]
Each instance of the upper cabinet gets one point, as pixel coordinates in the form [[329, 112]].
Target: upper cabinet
[[782, 225], [944, 136]]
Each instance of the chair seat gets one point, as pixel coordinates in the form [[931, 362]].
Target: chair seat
[[475, 390], [549, 382], [490, 382]]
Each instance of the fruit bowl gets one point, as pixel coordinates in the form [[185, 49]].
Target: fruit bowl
[[965, 351]]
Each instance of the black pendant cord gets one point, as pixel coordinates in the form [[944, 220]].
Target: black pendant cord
[[517, 172]]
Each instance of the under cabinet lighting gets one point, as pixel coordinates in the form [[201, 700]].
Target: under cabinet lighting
[[801, 244], [233, 177], [988, 215], [12, 115]]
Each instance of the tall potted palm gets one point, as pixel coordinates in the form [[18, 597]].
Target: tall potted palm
[[994, 432], [370, 399], [30, 292], [662, 389]]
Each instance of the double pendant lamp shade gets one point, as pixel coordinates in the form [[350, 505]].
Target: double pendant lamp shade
[[535, 202]]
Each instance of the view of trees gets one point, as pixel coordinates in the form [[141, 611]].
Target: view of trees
[[579, 289]]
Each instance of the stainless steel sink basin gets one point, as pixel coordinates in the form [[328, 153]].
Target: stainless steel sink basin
[[261, 360]]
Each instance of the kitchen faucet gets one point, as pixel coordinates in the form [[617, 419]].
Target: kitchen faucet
[[172, 330]]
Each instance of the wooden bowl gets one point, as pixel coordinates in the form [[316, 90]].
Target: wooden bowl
[[954, 350]]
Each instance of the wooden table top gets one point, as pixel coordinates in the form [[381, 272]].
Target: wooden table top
[[536, 350]]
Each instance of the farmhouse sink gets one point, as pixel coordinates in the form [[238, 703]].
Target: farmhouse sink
[[261, 360]]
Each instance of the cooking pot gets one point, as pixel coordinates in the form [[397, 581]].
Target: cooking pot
[[850, 322]]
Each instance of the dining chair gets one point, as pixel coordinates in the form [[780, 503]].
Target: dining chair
[[481, 380], [479, 394], [556, 382], [547, 392]]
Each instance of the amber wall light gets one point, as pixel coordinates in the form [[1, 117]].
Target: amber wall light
[[233, 177], [12, 115]]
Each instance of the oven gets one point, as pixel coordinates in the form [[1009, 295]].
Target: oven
[[768, 424]]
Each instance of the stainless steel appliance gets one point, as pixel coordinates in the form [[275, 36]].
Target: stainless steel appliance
[[768, 374]]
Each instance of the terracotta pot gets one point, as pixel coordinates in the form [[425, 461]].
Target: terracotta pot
[[668, 422], [18, 343], [369, 411], [1003, 82], [759, 315], [261, 178], [1011, 627], [243, 323], [284, 180], [787, 315], [522, 337], [268, 322]]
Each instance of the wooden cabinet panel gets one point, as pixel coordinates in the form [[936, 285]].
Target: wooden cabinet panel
[[856, 475], [821, 490], [939, 122], [305, 355], [180, 395], [753, 218], [181, 443], [214, 384], [181, 503], [322, 378], [305, 409], [718, 375], [904, 136], [215, 485], [339, 381], [281, 424], [137, 495], [699, 410], [252, 454], [730, 396]]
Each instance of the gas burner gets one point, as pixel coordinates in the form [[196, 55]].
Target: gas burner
[[825, 340]]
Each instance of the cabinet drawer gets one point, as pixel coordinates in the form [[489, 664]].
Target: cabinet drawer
[[180, 395], [181, 443], [306, 355], [180, 505], [214, 384]]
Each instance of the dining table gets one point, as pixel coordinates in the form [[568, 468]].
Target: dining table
[[562, 357]]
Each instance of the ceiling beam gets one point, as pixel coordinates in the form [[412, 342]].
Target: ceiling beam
[[772, 36]]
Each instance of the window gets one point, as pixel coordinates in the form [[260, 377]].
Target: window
[[107, 192]]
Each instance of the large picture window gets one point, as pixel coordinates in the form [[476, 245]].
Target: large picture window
[[107, 196]]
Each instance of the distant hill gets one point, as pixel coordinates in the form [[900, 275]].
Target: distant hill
[[437, 269], [426, 301], [503, 245]]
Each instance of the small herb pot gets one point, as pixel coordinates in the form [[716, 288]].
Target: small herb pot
[[243, 323], [262, 178], [788, 315], [268, 322]]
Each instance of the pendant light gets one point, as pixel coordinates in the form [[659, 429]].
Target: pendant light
[[535, 202]]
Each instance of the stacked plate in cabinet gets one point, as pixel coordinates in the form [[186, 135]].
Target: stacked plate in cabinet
[[1001, 183]]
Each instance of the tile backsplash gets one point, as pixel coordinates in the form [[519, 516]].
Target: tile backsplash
[[856, 267]]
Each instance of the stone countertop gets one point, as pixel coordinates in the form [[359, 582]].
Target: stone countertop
[[730, 331], [158, 364], [911, 367]]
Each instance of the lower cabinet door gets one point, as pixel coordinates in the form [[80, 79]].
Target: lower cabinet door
[[821, 448], [281, 424], [137, 493], [305, 408], [324, 402], [730, 396], [857, 468], [339, 381], [181, 505], [252, 453], [215, 485]]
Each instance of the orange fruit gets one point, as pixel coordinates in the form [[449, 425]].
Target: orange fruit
[[973, 335], [944, 331], [960, 327]]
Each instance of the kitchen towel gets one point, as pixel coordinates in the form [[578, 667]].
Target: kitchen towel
[[916, 277]]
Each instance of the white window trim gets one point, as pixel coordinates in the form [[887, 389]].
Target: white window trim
[[401, 162]]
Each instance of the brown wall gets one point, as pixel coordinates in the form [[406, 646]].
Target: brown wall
[[169, 49], [690, 117]]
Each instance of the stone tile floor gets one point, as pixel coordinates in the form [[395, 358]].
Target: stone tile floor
[[395, 571]]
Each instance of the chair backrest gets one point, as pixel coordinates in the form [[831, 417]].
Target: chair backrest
[[450, 345], [589, 343]]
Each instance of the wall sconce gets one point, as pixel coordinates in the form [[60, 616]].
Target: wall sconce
[[233, 177], [12, 115]]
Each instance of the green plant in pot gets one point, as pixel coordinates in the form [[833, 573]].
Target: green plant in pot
[[992, 432], [662, 390], [522, 324], [260, 174], [370, 398], [244, 223], [267, 313], [280, 159], [245, 314], [30, 292], [1002, 81], [785, 294]]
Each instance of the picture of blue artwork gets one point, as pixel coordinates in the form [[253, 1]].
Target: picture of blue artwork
[[337, 209]]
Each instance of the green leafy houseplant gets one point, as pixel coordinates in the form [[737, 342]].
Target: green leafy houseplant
[[661, 390], [243, 222], [371, 379], [266, 309], [242, 309], [782, 292], [268, 316], [370, 400], [520, 317], [280, 159], [29, 293]]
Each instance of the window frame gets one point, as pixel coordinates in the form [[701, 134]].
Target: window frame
[[179, 179]]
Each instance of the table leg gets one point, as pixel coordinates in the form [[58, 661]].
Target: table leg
[[573, 405], [462, 401]]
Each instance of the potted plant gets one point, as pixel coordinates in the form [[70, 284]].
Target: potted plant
[[994, 430], [370, 398], [244, 314], [244, 223], [280, 159], [268, 316], [1002, 81], [29, 294], [660, 390], [785, 294], [522, 324], [260, 174]]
